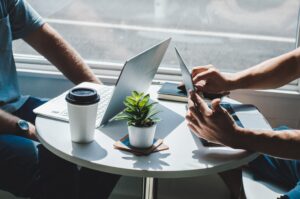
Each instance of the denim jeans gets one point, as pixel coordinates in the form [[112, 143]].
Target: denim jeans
[[27, 169], [281, 171]]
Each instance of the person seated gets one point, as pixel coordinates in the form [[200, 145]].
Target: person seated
[[280, 157], [27, 169]]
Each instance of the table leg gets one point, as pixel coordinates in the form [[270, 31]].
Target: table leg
[[149, 188]]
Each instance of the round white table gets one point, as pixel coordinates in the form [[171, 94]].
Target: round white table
[[186, 157]]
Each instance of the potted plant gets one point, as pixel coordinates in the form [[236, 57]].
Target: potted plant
[[140, 116]]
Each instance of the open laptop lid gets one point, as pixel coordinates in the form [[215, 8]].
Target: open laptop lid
[[186, 75], [187, 78], [137, 74]]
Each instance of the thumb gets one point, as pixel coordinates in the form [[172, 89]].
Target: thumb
[[215, 104], [181, 86], [201, 86]]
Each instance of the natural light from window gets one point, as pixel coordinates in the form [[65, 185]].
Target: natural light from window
[[230, 34]]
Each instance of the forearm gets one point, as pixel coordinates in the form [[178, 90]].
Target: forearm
[[53, 47], [8, 123], [270, 74], [284, 144]]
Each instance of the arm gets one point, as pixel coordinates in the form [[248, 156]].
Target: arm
[[272, 73], [53, 47], [9, 125], [284, 144], [210, 125]]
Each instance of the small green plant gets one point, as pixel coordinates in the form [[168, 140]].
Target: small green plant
[[139, 111]]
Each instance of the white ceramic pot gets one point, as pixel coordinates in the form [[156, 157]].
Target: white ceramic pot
[[141, 137]]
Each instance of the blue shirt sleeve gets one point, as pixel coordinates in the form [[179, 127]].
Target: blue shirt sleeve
[[23, 18]]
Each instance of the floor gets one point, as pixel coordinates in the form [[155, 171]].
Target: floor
[[210, 187]]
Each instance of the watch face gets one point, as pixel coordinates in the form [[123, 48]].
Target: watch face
[[23, 125]]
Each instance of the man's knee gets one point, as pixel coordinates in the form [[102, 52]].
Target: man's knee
[[18, 150], [294, 193], [18, 164]]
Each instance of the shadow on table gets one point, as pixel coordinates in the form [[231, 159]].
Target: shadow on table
[[218, 154], [169, 121], [214, 155], [153, 161], [91, 151]]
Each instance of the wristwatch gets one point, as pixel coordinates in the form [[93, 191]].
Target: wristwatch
[[23, 127]]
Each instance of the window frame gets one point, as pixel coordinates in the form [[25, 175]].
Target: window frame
[[108, 72]]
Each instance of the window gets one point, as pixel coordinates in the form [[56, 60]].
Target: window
[[230, 34]]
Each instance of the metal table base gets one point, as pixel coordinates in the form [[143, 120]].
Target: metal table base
[[149, 188]]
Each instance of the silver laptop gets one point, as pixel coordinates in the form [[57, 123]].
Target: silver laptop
[[245, 115], [137, 74]]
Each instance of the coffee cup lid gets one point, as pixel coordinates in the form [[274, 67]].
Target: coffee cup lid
[[82, 96]]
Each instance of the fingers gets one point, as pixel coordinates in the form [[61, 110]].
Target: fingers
[[202, 76], [181, 86], [194, 129], [190, 103], [195, 71], [200, 69], [193, 117], [200, 104], [200, 86], [215, 104]]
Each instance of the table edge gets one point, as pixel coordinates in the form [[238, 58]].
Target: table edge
[[147, 173]]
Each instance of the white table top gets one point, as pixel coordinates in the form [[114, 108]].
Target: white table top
[[185, 158]]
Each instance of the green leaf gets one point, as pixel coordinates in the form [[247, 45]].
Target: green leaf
[[121, 116], [135, 94], [128, 105], [141, 94], [130, 100], [152, 113], [128, 110], [144, 116], [144, 100], [139, 111], [155, 120], [148, 107], [132, 115], [152, 104]]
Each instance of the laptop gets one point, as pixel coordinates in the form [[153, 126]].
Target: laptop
[[245, 115], [137, 74]]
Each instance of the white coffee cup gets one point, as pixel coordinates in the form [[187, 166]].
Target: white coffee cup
[[82, 111]]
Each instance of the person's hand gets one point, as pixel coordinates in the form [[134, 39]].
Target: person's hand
[[209, 80], [214, 125], [32, 132], [195, 71]]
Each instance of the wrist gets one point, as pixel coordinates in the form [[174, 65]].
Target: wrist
[[240, 138], [22, 127], [233, 80]]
